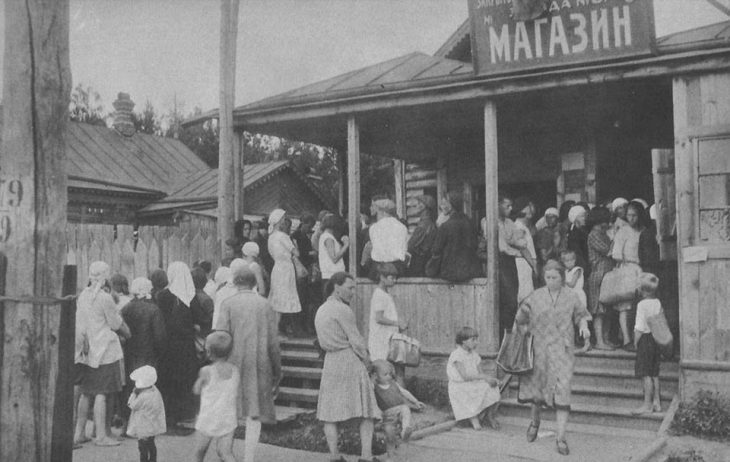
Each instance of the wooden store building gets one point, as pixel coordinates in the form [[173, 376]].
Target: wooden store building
[[581, 101]]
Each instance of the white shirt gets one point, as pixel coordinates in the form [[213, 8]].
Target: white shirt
[[645, 309], [326, 265], [390, 240]]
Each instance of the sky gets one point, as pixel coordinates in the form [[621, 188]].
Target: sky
[[166, 51]]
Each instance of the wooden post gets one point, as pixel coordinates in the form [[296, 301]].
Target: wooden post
[[33, 200], [238, 185], [229, 32], [399, 168], [442, 183], [491, 195], [341, 167], [353, 191]]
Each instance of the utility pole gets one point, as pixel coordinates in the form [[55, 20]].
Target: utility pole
[[226, 165], [33, 199]]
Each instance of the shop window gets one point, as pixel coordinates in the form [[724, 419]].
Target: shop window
[[714, 189]]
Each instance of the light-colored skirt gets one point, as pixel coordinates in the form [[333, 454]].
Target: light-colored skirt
[[283, 294], [470, 398], [524, 276], [345, 391]]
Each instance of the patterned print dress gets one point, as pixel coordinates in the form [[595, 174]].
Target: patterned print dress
[[599, 254], [550, 319]]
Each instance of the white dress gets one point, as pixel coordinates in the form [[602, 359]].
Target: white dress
[[468, 398], [379, 334], [218, 404], [283, 294], [578, 289], [524, 270]]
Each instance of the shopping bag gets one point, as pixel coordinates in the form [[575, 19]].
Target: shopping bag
[[404, 350], [299, 269], [661, 333], [515, 354], [619, 285]]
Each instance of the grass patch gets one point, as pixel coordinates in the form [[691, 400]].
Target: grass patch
[[707, 415], [686, 456]]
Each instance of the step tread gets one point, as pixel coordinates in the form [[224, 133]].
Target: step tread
[[297, 342], [303, 392], [300, 354], [595, 409], [622, 373], [581, 389], [302, 372]]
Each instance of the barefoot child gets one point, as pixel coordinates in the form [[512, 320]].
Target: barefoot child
[[471, 391], [147, 419], [395, 401], [217, 386], [647, 351]]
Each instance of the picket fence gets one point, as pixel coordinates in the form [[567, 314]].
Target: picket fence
[[137, 254]]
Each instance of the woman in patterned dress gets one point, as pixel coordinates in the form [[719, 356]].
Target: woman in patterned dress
[[550, 313], [599, 255]]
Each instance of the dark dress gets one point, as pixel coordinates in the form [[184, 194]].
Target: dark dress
[[578, 243], [178, 364], [454, 252], [264, 256], [649, 251], [202, 309], [148, 337], [420, 245]]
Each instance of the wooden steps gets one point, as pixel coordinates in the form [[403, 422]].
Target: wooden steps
[[302, 370]]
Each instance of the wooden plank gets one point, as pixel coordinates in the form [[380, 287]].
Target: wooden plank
[[468, 199], [421, 184], [153, 256], [689, 313], [353, 189], [442, 183], [665, 200], [400, 187], [127, 260], [238, 186], [491, 195], [36, 90], [141, 260], [416, 175], [710, 273]]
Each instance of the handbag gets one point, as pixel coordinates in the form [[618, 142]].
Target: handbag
[[404, 350], [516, 355], [618, 285], [662, 335], [299, 269]]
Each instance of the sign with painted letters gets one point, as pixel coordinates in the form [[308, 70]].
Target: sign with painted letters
[[511, 35]]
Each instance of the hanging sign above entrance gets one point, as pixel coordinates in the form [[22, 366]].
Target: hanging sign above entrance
[[509, 35]]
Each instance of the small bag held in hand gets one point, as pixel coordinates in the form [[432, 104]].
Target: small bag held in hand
[[515, 354], [661, 333], [404, 350]]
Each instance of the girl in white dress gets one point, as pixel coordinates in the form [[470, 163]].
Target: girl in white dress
[[217, 386], [384, 320], [471, 391], [573, 275]]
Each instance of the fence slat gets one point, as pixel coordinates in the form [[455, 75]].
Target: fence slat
[[140, 259], [153, 256], [127, 260]]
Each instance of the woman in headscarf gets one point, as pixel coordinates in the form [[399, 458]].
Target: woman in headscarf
[[178, 364], [564, 223], [283, 295], [599, 255], [421, 241], [577, 238], [159, 282], [527, 263], [454, 253], [251, 256], [618, 208], [98, 353]]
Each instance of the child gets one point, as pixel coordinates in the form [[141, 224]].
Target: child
[[647, 351], [147, 419], [395, 402], [573, 274], [471, 392], [217, 386]]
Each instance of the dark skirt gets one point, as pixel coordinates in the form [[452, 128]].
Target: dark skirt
[[105, 379], [508, 288], [647, 357]]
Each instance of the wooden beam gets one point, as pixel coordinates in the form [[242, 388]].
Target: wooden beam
[[37, 86], [399, 168], [226, 168], [353, 191], [442, 183], [491, 195], [238, 142], [342, 181]]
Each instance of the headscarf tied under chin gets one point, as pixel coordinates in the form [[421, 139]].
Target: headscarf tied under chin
[[275, 218], [181, 282], [98, 275], [141, 288], [574, 212]]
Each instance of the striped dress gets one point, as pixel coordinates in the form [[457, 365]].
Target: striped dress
[[345, 391]]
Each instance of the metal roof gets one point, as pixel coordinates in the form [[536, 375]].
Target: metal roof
[[100, 155]]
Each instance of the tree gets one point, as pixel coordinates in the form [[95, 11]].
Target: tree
[[147, 121], [86, 106]]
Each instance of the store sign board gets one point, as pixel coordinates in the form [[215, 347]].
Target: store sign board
[[511, 35]]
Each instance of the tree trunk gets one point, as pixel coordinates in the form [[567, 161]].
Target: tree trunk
[[37, 85], [226, 167]]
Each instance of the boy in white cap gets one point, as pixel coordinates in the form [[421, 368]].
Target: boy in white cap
[[148, 412]]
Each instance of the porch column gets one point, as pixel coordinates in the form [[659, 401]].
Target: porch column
[[238, 142], [491, 195], [353, 190]]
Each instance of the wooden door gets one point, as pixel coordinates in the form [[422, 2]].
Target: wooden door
[[666, 202]]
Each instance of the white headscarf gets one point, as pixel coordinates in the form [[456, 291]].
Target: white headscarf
[[552, 211], [642, 202], [181, 282], [98, 275], [574, 212], [652, 212], [222, 275], [250, 249], [141, 288], [274, 218], [618, 202]]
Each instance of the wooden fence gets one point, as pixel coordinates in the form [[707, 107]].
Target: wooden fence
[[137, 254]]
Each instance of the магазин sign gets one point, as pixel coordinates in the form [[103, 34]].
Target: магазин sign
[[566, 32]]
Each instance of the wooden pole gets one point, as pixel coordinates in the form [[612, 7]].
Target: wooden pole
[[341, 167], [33, 199], [491, 195], [353, 191], [238, 175], [226, 170], [399, 168]]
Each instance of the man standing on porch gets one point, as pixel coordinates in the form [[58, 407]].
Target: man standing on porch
[[510, 246]]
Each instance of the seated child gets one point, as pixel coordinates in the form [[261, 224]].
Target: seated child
[[147, 418], [217, 386], [395, 402], [472, 393], [647, 350]]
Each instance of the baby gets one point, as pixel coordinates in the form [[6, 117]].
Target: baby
[[395, 402]]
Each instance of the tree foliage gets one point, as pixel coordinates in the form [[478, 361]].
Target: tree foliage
[[147, 121], [86, 106]]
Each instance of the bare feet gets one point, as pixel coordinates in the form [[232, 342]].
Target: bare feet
[[493, 422], [406, 433], [604, 346]]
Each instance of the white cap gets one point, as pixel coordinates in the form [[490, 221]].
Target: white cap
[[144, 376], [652, 212]]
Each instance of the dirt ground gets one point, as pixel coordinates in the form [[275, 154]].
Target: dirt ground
[[691, 449]]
